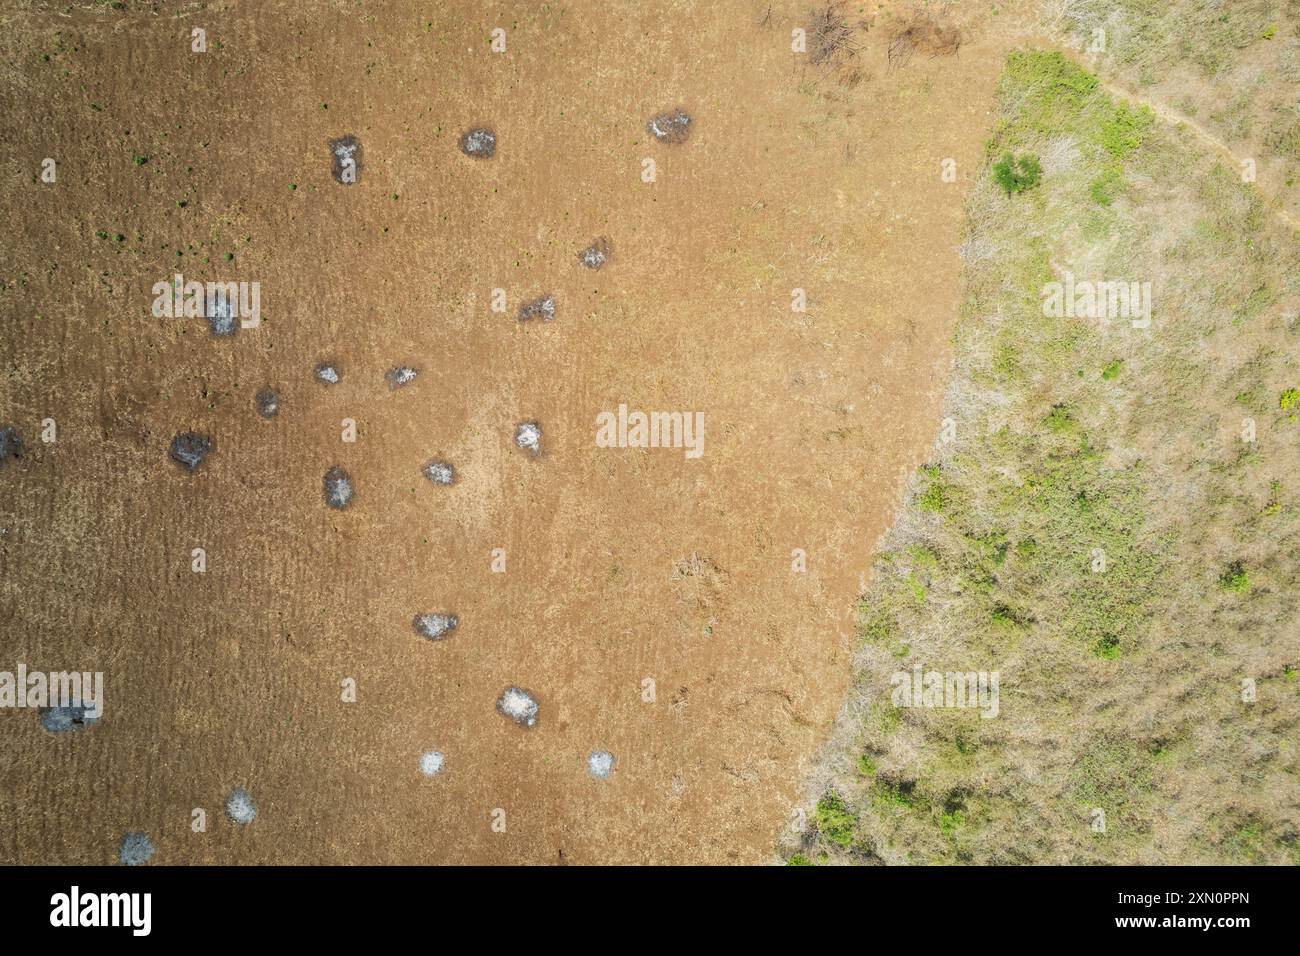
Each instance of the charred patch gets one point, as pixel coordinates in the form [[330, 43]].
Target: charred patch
[[338, 488], [189, 449], [596, 254], [673, 126], [542, 308], [267, 402]]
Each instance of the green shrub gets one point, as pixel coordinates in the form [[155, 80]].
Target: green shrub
[[889, 793], [1015, 174], [1122, 131]]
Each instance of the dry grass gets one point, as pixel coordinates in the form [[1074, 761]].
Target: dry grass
[[1121, 691]]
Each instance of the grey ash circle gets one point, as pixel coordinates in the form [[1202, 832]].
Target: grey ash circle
[[542, 308], [220, 311], [480, 142], [268, 403], [435, 626], [401, 375], [596, 254], [62, 720], [431, 762], [137, 849], [10, 443], [240, 806], [673, 126], [528, 436], [600, 764], [189, 449], [327, 373], [338, 488]]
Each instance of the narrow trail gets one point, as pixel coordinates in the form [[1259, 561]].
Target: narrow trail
[[1169, 115], [1211, 141]]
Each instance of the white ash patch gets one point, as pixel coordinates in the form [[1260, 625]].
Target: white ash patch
[[436, 627], [540, 308], [328, 374], [401, 375], [600, 764], [136, 850], [673, 126], [338, 488], [431, 762], [240, 806], [220, 311], [440, 472], [596, 254], [481, 143], [519, 705], [268, 403], [528, 436]]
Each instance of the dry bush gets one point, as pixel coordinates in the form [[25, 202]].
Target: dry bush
[[832, 36], [923, 33]]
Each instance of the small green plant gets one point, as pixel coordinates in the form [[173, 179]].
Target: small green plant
[[834, 821], [1015, 174], [1104, 187], [799, 860], [1235, 578], [951, 821], [891, 794], [1289, 399], [1111, 371], [1059, 419], [1005, 620], [1107, 647]]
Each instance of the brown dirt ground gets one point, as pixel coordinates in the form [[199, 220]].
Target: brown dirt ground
[[793, 177]]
